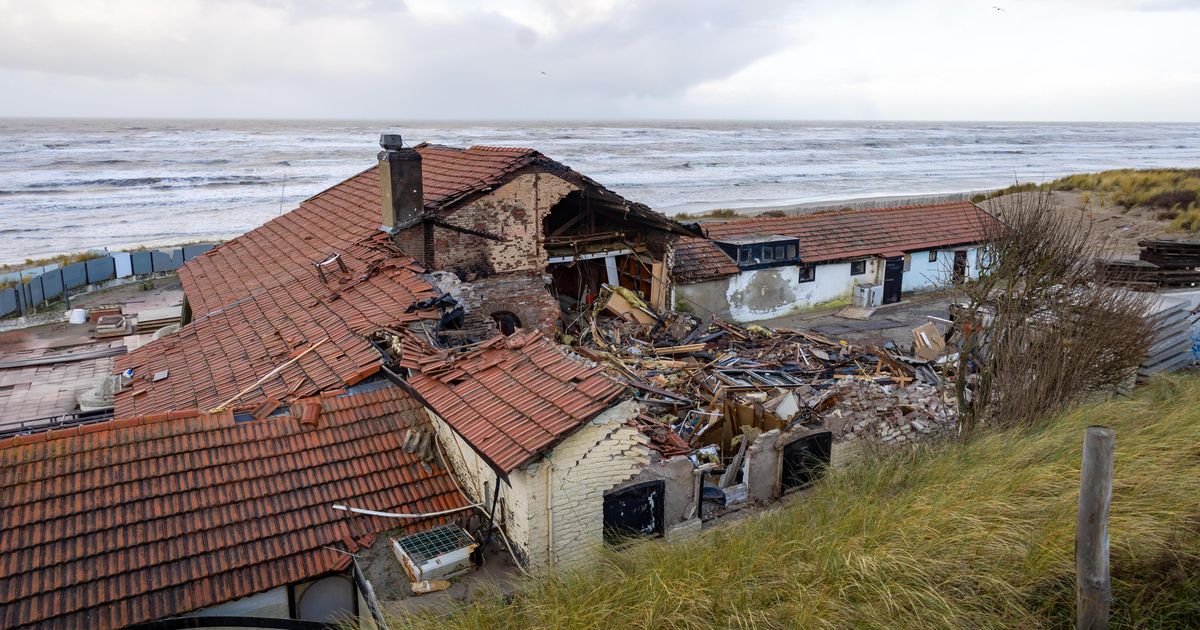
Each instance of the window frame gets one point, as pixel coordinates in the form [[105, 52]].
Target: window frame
[[862, 267], [811, 270], [933, 255]]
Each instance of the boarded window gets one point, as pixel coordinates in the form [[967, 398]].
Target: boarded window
[[635, 511]]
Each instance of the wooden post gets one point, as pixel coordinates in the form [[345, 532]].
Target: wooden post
[[1093, 591]]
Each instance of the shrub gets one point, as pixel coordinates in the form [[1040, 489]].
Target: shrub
[[1187, 221], [1042, 328]]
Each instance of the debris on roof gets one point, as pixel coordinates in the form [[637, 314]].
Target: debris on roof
[[511, 398], [133, 520]]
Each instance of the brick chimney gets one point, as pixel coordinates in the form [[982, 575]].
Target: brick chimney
[[399, 183]]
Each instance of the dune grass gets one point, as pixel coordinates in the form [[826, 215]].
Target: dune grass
[[967, 535], [1173, 192]]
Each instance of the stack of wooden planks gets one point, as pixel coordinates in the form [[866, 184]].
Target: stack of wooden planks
[[152, 319], [1178, 262]]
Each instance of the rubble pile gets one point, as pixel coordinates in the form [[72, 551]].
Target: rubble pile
[[891, 415], [706, 380]]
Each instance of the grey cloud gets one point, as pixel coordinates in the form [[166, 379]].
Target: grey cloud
[[373, 57]]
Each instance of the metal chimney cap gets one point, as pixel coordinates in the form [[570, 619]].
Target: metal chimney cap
[[391, 141]]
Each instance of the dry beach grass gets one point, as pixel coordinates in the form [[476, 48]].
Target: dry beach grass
[[977, 534]]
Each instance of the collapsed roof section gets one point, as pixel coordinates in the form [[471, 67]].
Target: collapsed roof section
[[839, 235], [259, 338], [322, 273], [511, 398], [133, 520]]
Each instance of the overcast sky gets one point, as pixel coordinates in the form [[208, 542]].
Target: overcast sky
[[1135, 60]]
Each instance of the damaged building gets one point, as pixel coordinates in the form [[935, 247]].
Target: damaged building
[[517, 239], [285, 354], [767, 267], [378, 370], [551, 440]]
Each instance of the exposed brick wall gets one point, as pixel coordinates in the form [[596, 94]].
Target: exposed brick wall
[[524, 294], [411, 241], [514, 212]]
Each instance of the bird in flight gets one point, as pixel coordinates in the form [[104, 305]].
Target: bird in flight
[[997, 8]]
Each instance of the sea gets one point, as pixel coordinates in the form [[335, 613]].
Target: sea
[[73, 185]]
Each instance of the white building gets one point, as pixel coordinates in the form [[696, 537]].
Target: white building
[[761, 268]]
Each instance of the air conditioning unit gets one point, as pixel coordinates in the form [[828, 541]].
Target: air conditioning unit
[[867, 295], [439, 553]]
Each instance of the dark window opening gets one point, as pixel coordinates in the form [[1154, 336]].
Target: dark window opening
[[768, 253], [791, 251], [779, 252], [745, 256], [858, 267], [635, 511], [452, 320], [805, 460], [933, 255], [507, 323], [808, 273]]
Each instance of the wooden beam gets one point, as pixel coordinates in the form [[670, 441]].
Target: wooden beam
[[1093, 589]]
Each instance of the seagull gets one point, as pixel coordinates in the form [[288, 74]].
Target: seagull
[[544, 72], [997, 8]]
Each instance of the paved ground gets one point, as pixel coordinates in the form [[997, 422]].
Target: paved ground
[[132, 297], [893, 322], [35, 391]]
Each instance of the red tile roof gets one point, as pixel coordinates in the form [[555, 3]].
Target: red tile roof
[[258, 299], [840, 235], [284, 249], [133, 520], [698, 259], [510, 398], [223, 352]]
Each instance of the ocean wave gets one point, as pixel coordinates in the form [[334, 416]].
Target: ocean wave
[[82, 163], [151, 182]]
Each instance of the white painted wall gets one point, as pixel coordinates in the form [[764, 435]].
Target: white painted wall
[[566, 489], [478, 479], [272, 603], [555, 506], [923, 274], [766, 293]]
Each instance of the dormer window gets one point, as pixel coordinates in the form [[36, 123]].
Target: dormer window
[[762, 251]]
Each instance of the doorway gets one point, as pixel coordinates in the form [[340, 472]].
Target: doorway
[[634, 511], [959, 273], [805, 461], [893, 279]]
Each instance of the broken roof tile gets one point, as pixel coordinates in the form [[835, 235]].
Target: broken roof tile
[[509, 399]]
